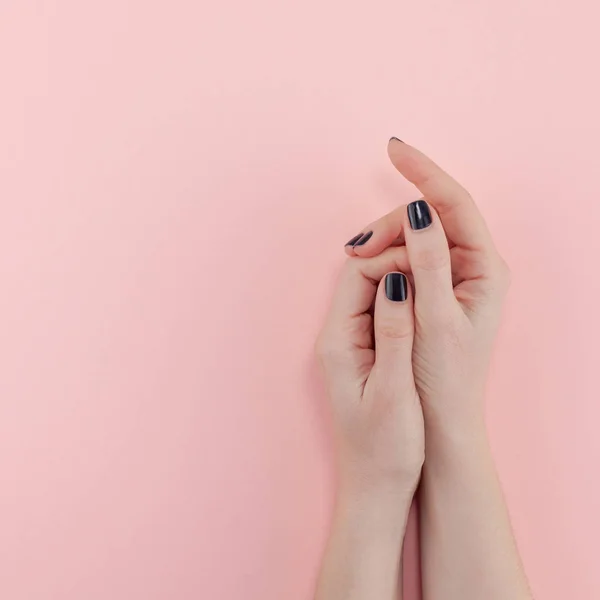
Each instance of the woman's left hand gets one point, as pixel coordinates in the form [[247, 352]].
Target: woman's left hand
[[365, 350]]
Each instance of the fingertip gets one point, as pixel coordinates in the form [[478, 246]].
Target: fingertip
[[363, 240], [374, 246], [420, 215], [394, 320], [353, 240], [351, 243], [429, 256], [385, 232], [395, 146], [360, 245], [396, 287]]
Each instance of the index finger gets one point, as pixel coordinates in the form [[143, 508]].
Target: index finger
[[463, 223]]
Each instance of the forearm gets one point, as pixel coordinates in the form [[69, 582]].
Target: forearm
[[362, 558], [468, 551]]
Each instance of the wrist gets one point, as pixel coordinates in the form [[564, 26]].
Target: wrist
[[453, 447], [376, 492], [455, 420], [374, 511], [367, 484]]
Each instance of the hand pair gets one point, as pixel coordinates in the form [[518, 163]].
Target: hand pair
[[406, 345]]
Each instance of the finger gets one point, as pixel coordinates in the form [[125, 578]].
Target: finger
[[357, 284], [429, 258], [463, 222], [394, 325], [349, 324], [379, 235]]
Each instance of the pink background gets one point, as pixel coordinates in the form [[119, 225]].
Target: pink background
[[177, 180]]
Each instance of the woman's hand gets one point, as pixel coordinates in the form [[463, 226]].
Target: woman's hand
[[365, 350], [467, 547], [460, 282]]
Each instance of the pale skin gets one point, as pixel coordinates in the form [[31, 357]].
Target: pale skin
[[406, 379]]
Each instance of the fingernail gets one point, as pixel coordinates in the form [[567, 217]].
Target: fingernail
[[395, 139], [396, 287], [354, 240], [363, 240], [419, 215]]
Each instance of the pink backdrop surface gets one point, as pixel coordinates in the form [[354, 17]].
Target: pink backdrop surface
[[177, 180]]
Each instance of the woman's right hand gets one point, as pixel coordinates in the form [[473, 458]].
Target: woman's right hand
[[460, 282]]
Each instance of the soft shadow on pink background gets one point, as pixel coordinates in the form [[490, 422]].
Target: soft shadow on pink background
[[177, 181]]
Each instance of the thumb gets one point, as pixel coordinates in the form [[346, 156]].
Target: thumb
[[394, 327]]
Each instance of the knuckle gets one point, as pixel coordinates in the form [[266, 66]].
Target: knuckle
[[450, 332], [352, 266], [506, 273], [389, 329], [431, 259], [329, 350], [323, 347], [462, 193], [445, 320], [502, 274]]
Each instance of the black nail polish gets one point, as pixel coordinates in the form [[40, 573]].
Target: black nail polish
[[354, 240], [395, 139], [396, 287], [363, 240], [419, 215]]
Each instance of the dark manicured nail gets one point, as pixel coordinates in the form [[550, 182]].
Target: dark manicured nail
[[354, 240], [396, 287], [395, 139], [419, 215], [363, 240]]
